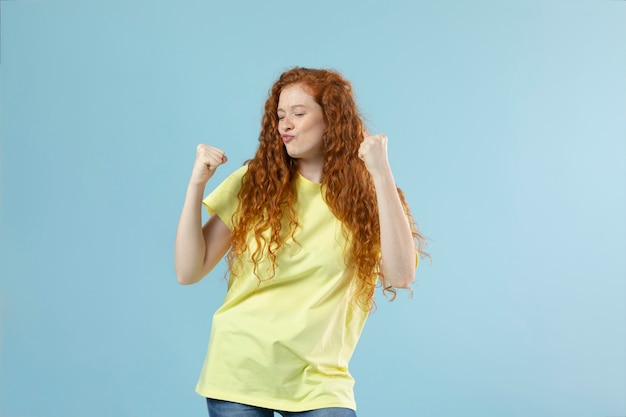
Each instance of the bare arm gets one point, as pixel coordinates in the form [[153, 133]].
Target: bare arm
[[398, 250], [199, 248]]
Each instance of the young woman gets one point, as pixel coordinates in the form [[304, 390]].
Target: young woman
[[310, 225]]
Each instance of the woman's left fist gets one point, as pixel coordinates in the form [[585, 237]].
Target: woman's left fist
[[373, 152]]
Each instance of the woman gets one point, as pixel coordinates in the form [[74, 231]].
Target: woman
[[309, 226]]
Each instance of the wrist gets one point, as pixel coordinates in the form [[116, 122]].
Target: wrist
[[382, 176], [195, 187]]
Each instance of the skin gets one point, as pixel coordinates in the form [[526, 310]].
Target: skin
[[301, 126], [396, 240], [199, 248]]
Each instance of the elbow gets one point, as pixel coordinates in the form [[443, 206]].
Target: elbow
[[187, 273], [399, 271], [186, 278], [402, 279], [404, 282]]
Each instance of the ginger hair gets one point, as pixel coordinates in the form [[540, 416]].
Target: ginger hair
[[268, 192]]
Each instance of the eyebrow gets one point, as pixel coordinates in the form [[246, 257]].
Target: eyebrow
[[293, 107]]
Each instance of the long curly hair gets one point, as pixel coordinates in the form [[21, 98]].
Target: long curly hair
[[268, 191]]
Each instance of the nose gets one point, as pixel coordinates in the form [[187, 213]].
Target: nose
[[285, 125]]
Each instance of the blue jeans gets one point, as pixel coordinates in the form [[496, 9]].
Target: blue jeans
[[219, 408]]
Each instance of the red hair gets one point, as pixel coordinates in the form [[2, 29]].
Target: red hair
[[268, 192]]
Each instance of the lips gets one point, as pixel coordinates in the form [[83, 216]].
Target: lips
[[287, 138]]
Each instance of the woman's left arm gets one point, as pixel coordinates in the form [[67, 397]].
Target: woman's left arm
[[398, 250]]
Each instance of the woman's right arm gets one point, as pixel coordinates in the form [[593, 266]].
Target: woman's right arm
[[199, 248]]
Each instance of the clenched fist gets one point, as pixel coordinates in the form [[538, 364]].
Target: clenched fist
[[207, 160], [373, 152]]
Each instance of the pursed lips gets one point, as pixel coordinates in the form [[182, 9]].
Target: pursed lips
[[287, 138]]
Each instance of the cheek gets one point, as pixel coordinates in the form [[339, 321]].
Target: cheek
[[321, 134], [321, 128]]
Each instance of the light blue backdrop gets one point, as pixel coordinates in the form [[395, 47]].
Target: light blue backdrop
[[507, 132]]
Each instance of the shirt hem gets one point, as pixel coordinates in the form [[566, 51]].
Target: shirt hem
[[274, 404]]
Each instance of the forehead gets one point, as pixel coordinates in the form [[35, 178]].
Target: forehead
[[294, 95]]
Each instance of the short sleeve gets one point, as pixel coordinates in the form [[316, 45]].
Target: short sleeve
[[223, 201]]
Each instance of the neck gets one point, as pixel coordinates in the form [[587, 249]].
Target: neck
[[311, 171]]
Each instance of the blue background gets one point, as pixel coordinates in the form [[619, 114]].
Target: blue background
[[507, 132]]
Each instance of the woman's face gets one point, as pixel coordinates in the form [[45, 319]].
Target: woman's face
[[301, 124]]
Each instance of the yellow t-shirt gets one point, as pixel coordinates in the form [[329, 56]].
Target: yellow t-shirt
[[286, 344]]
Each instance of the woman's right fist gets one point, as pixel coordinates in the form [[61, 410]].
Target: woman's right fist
[[207, 160]]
